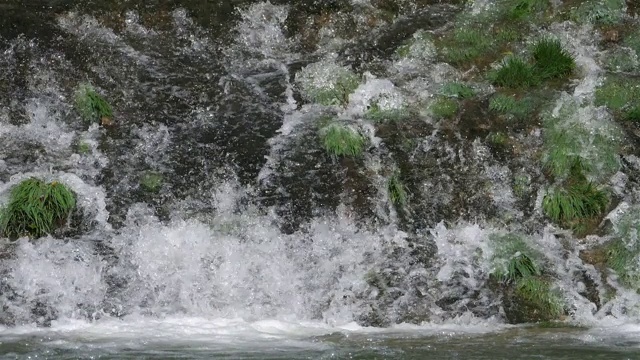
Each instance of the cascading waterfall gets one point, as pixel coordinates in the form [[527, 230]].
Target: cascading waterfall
[[253, 226]]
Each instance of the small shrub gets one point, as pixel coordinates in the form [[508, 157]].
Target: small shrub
[[397, 190], [444, 108], [552, 61], [91, 106], [457, 90], [36, 208], [576, 202], [514, 73], [340, 140]]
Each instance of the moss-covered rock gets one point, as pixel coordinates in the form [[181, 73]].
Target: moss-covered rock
[[36, 208]]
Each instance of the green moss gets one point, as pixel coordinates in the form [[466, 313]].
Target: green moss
[[514, 73], [341, 140], [91, 106], [617, 93], [444, 107], [633, 41], [36, 208], [575, 203], [464, 45], [622, 60], [551, 60], [457, 90], [599, 12], [151, 181], [397, 190], [83, 148], [498, 139]]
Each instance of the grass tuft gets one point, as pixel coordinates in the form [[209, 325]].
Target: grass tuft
[[341, 140], [36, 208], [552, 61], [457, 90], [91, 106], [444, 108], [514, 73], [397, 190], [465, 45], [576, 202]]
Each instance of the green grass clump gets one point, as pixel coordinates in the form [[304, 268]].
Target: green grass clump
[[341, 140], [574, 203], [524, 9], [620, 95], [457, 90], [509, 105], [151, 181], [465, 45], [36, 208], [397, 190], [551, 60], [91, 106], [538, 294], [444, 108], [376, 113], [514, 73], [327, 83], [515, 263]]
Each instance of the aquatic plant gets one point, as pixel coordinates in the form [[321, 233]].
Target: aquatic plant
[[457, 90], [327, 83], [444, 107], [574, 203], [551, 60], [36, 208], [342, 140], [514, 73], [151, 181], [397, 190], [91, 106]]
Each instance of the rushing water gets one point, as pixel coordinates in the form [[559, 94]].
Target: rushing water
[[258, 244]]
